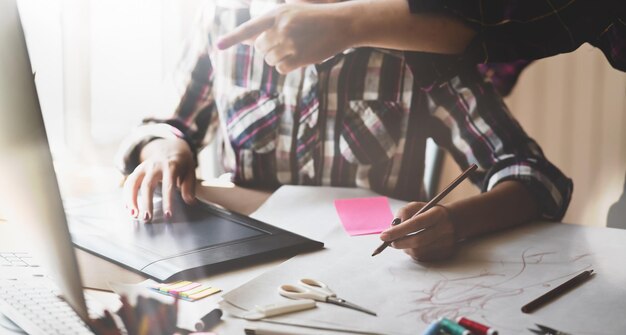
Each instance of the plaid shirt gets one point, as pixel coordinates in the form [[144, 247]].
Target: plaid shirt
[[510, 30], [357, 120]]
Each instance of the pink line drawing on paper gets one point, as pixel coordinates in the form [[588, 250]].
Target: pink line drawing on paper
[[468, 295]]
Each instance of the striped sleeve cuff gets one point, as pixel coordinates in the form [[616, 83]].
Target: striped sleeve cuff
[[546, 183], [127, 157]]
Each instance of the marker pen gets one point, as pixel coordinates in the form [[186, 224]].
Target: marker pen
[[432, 329], [210, 320], [452, 327], [475, 327]]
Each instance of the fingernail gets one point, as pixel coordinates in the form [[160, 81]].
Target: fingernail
[[396, 222], [133, 212], [168, 215]]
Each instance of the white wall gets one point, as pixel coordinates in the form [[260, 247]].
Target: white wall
[[575, 106]]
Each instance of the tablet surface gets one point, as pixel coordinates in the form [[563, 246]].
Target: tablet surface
[[197, 240]]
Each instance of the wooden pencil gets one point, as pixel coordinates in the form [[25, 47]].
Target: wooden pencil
[[556, 292]]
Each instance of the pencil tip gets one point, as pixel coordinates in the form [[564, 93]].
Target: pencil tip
[[380, 248]]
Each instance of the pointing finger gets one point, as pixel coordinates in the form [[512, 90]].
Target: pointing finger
[[246, 31]]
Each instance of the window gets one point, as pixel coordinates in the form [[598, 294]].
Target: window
[[102, 66]]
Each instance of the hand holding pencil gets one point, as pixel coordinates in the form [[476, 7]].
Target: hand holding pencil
[[435, 240], [426, 232]]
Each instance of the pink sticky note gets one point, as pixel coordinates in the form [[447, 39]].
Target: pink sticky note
[[363, 216]]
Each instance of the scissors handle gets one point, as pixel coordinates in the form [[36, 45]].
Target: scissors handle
[[301, 292], [318, 291], [317, 285]]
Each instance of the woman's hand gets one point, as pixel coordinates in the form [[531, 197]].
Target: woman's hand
[[295, 34], [169, 161], [436, 242]]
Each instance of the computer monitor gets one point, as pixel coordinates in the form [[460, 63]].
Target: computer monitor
[[29, 193]]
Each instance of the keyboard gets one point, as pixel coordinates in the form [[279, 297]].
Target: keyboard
[[30, 301], [37, 309], [17, 265], [17, 259]]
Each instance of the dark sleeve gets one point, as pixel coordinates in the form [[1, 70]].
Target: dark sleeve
[[509, 30], [472, 122]]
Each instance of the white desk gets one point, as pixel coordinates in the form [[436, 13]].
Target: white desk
[[601, 301], [489, 280]]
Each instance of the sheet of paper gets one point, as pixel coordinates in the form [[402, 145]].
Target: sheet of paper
[[489, 280], [363, 216]]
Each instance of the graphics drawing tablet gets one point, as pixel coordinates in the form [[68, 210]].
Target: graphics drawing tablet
[[195, 242]]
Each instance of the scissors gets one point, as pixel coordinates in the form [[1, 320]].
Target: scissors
[[545, 330], [316, 290]]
